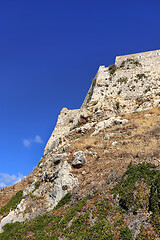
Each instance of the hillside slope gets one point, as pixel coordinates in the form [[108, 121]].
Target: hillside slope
[[80, 188]]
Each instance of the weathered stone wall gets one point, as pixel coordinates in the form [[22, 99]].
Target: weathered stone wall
[[149, 60], [66, 120], [136, 75]]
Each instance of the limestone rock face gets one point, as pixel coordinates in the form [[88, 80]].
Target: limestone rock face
[[66, 120], [108, 123], [56, 181], [64, 182], [15, 215], [132, 84]]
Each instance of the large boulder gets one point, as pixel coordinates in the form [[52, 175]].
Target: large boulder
[[79, 159]]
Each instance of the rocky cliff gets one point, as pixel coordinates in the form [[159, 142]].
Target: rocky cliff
[[90, 149]]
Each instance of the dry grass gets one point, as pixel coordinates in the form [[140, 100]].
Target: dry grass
[[135, 142]]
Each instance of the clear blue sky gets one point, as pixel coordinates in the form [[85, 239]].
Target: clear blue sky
[[49, 52]]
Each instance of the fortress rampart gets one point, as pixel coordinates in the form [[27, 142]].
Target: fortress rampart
[[134, 76], [149, 60]]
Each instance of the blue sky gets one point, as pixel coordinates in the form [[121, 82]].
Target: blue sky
[[49, 52]]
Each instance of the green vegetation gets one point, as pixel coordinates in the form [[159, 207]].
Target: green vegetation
[[102, 208], [37, 184], [122, 64], [139, 188], [146, 90], [33, 196], [141, 75], [130, 61], [66, 199], [12, 203], [95, 103], [98, 216], [71, 212], [117, 105], [133, 88], [122, 80], [78, 136], [112, 69], [154, 201], [136, 80], [73, 224], [143, 235], [119, 92], [125, 234], [133, 61], [133, 177]]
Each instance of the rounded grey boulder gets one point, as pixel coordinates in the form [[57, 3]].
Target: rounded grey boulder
[[79, 159]]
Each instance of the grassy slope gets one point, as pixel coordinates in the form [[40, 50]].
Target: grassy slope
[[98, 216]]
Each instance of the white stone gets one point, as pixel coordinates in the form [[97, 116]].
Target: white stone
[[147, 115], [114, 143], [64, 179]]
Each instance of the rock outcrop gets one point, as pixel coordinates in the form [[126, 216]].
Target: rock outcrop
[[77, 149]]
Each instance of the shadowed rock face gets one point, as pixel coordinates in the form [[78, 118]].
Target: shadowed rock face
[[91, 146]]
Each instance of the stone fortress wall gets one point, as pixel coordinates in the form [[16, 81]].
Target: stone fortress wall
[[65, 122], [149, 59], [135, 76]]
